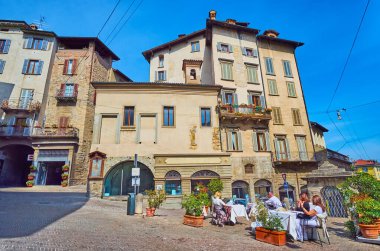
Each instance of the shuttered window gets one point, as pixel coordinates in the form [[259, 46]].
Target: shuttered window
[[282, 148], [2, 65], [269, 66], [277, 118], [301, 143], [32, 67], [272, 86], [226, 70], [4, 46], [129, 116], [252, 74], [222, 47], [195, 46], [234, 141], [260, 141], [291, 89], [287, 69], [296, 117], [160, 76], [161, 61], [70, 66], [249, 52], [36, 44]]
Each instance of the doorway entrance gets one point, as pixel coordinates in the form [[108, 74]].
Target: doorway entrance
[[49, 173]]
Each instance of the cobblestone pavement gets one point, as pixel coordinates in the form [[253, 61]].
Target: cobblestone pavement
[[65, 219]]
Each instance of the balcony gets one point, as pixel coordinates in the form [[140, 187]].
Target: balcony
[[25, 105], [52, 132], [294, 159], [64, 95], [244, 113], [15, 131]]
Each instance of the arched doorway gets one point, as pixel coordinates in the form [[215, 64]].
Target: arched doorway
[[118, 180], [173, 183], [202, 177], [333, 200], [15, 166], [262, 188], [284, 194], [240, 189]]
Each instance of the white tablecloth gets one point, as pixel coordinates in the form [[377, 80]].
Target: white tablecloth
[[288, 220], [238, 211]]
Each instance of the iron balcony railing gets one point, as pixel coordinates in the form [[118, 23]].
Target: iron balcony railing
[[245, 111], [62, 94], [293, 156], [15, 131], [25, 104], [55, 132]]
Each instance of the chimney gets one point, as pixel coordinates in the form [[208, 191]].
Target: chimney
[[231, 21], [212, 14], [181, 35], [271, 33]]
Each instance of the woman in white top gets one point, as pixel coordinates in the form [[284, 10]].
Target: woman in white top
[[219, 216], [316, 208]]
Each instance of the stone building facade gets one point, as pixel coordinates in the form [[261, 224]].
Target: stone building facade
[[66, 134], [26, 53]]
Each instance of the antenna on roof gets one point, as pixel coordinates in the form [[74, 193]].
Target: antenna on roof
[[41, 23]]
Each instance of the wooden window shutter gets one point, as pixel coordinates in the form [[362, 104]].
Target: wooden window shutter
[[65, 66], [6, 46], [240, 142], [267, 139], [254, 141], [74, 69], [25, 66], [75, 90]]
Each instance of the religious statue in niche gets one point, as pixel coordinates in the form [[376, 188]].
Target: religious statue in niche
[[193, 145]]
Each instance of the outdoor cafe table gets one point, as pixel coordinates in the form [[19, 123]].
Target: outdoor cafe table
[[238, 211], [288, 221]]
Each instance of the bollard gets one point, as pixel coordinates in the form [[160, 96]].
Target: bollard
[[139, 203], [131, 204]]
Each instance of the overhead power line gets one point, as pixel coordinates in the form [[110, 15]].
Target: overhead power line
[[126, 21], [348, 57], [109, 16]]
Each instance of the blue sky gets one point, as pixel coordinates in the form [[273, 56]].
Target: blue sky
[[326, 27]]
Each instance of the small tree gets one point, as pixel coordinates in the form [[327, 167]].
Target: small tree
[[215, 185]]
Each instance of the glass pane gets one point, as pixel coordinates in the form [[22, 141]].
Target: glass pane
[[173, 187], [96, 167]]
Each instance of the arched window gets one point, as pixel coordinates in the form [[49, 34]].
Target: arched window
[[193, 74], [262, 188], [173, 183], [202, 177], [240, 189]]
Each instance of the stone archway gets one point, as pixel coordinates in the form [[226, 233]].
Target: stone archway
[[118, 180], [240, 188], [202, 177], [14, 168], [262, 188]]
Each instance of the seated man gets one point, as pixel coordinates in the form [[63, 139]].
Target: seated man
[[273, 202]]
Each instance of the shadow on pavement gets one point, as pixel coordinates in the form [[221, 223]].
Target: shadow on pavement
[[24, 213]]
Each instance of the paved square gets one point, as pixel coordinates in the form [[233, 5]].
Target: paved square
[[35, 219]]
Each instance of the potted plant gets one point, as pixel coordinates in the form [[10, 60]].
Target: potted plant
[[64, 183], [155, 199], [193, 205], [29, 183], [369, 211], [215, 185], [272, 231], [31, 176], [65, 176], [33, 168], [204, 197], [65, 168]]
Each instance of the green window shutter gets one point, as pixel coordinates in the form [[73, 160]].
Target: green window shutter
[[244, 51], [219, 46], [2, 65], [230, 48], [262, 100], [39, 68], [277, 147], [236, 101], [250, 99], [267, 141], [254, 141], [6, 46], [287, 149], [223, 97], [255, 53], [240, 142], [229, 67], [229, 140]]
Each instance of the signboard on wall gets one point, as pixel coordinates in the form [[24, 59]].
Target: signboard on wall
[[135, 171], [30, 157]]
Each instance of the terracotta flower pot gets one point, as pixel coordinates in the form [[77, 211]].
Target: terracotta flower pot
[[64, 184], [30, 177], [194, 221], [150, 212], [377, 222], [277, 238], [29, 185], [369, 231], [64, 177]]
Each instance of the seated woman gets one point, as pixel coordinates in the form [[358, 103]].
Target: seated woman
[[304, 200], [316, 208], [219, 216]]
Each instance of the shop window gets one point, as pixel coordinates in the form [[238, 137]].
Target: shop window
[[173, 183]]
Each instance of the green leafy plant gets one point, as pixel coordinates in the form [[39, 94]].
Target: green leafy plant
[[261, 214], [350, 227], [215, 185], [273, 223], [65, 168], [369, 210], [29, 183], [193, 204], [155, 198], [65, 176], [33, 168], [64, 183], [205, 198]]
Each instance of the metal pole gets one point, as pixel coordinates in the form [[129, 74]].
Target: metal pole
[[121, 182]]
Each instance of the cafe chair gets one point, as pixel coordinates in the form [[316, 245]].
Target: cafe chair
[[322, 224]]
